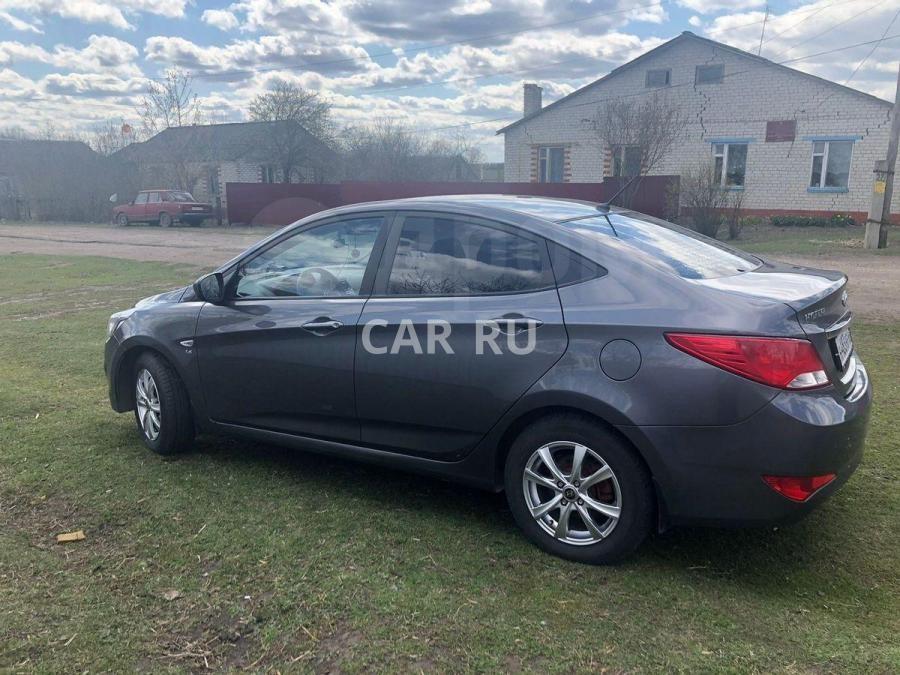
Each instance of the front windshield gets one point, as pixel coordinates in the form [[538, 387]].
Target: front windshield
[[683, 251]]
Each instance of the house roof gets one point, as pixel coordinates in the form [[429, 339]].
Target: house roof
[[211, 142], [685, 37], [16, 154]]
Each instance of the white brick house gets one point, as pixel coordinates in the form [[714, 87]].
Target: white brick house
[[793, 142]]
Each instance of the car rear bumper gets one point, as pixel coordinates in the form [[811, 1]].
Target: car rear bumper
[[713, 475]]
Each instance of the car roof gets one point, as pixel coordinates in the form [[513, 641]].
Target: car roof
[[545, 208]]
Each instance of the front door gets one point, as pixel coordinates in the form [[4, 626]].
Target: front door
[[464, 319], [279, 355]]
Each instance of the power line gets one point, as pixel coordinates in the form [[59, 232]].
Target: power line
[[438, 45], [371, 57], [675, 86], [837, 25], [866, 58]]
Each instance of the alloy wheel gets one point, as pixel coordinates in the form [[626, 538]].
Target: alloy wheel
[[148, 408], [572, 493]]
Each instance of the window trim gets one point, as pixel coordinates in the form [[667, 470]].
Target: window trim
[[828, 140], [232, 272], [668, 82], [697, 68], [728, 142], [389, 254], [547, 148]]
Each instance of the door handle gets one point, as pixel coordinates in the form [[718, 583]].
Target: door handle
[[322, 325], [516, 322]]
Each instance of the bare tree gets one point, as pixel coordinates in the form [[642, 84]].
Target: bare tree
[[703, 198], [305, 121], [110, 137], [387, 150], [169, 102], [652, 126]]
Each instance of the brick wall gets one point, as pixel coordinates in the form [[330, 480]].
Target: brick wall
[[777, 174]]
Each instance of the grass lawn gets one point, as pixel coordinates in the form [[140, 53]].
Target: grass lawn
[[249, 556], [767, 240]]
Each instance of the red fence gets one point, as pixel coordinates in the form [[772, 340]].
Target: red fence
[[281, 204]]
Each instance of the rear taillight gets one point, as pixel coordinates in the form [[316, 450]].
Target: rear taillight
[[798, 488], [785, 363]]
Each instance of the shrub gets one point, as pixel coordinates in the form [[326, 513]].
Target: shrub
[[703, 198], [835, 220]]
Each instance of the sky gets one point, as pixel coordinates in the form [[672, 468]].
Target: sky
[[445, 68]]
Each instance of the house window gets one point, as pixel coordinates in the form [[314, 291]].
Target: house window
[[710, 74], [661, 77], [626, 160], [550, 164], [831, 165], [267, 173], [730, 164]]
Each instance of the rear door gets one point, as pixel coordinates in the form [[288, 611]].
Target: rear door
[[279, 354], [154, 206], [464, 318]]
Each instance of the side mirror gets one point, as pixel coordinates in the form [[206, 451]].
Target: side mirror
[[211, 288]]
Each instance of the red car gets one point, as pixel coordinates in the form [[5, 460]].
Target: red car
[[165, 207]]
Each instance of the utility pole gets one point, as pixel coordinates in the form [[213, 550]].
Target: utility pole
[[763, 33], [883, 190]]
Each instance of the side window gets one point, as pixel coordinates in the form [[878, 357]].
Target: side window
[[661, 77], [445, 256], [141, 198], [571, 268], [325, 261], [713, 74], [154, 198], [730, 164], [831, 165], [550, 164]]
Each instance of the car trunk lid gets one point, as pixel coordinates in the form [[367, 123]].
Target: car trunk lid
[[819, 299]]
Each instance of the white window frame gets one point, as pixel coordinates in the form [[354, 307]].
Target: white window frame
[[724, 155], [544, 163], [824, 173]]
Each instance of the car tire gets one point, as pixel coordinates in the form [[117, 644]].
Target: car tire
[[165, 219], [627, 493], [162, 409], [122, 220]]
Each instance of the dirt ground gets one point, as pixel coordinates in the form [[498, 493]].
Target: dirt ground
[[203, 247], [874, 280]]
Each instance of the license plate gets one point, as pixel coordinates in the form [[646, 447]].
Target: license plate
[[844, 344], [196, 208]]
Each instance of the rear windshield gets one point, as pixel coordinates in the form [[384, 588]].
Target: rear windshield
[[180, 197], [683, 251]]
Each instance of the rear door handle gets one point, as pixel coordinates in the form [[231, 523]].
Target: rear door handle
[[516, 323], [322, 325]]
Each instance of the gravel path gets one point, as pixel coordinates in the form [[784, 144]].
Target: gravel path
[[203, 247]]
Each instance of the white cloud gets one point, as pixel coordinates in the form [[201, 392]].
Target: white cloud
[[220, 18], [712, 6], [18, 24], [695, 21], [112, 12], [103, 54]]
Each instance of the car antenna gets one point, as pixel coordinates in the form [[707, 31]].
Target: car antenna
[[605, 205]]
